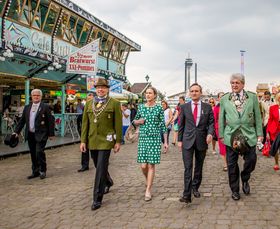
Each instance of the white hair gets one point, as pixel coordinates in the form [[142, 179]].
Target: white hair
[[37, 90], [238, 76]]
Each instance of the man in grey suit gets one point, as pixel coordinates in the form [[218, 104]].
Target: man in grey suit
[[195, 133]]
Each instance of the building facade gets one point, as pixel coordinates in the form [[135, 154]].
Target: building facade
[[36, 39]]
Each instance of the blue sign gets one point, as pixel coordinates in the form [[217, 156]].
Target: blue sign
[[116, 86]]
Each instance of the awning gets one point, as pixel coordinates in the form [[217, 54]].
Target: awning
[[125, 95]]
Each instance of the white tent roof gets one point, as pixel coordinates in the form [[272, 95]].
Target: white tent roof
[[124, 95]]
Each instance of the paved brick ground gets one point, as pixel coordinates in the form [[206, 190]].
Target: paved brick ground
[[63, 200]]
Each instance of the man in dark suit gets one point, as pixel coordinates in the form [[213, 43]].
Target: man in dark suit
[[39, 127], [196, 129], [84, 155]]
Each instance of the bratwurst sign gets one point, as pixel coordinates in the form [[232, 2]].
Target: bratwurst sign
[[84, 60]]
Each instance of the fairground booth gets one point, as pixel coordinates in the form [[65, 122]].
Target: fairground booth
[[37, 38]]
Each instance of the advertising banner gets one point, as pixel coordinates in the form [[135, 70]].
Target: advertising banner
[[30, 39], [90, 83], [116, 86], [84, 60]]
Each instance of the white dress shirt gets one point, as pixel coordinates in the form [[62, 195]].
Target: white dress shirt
[[32, 116], [241, 93], [198, 110]]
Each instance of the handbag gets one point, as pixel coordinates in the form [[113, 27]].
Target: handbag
[[132, 133], [266, 148], [239, 142]]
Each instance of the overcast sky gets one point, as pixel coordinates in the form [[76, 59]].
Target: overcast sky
[[213, 32]]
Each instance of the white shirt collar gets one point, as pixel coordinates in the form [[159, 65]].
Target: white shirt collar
[[199, 102], [241, 93]]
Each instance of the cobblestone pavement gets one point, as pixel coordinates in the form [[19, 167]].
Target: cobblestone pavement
[[63, 200]]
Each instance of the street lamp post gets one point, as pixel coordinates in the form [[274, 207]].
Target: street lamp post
[[147, 78], [242, 61]]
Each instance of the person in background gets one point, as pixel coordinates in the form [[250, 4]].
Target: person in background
[[176, 119], [264, 106], [133, 112], [51, 106], [39, 127], [213, 104], [125, 120], [150, 118], [72, 108], [85, 155], [67, 107], [240, 116], [57, 107], [168, 117], [273, 125], [79, 111], [222, 147], [196, 129], [19, 111], [15, 106]]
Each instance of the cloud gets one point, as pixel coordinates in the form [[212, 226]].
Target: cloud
[[212, 31]]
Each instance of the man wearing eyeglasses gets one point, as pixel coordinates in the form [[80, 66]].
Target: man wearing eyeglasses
[[39, 127]]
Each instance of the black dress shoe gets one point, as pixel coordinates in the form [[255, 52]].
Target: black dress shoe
[[107, 189], [95, 206], [110, 183], [246, 188], [42, 175], [235, 196], [186, 200], [83, 169], [33, 175], [196, 193]]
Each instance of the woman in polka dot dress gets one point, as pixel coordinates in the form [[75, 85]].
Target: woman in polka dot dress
[[150, 117]]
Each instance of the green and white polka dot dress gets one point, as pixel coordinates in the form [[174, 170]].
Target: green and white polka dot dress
[[149, 144]]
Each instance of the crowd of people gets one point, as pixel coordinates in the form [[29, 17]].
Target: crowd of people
[[235, 124]]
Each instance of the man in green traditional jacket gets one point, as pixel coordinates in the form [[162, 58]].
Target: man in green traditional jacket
[[239, 112], [101, 132]]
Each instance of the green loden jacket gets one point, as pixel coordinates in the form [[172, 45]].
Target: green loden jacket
[[249, 121], [103, 134]]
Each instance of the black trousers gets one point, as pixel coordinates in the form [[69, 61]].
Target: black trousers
[[194, 182], [250, 160], [264, 134], [79, 123], [102, 176], [38, 156], [85, 159]]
